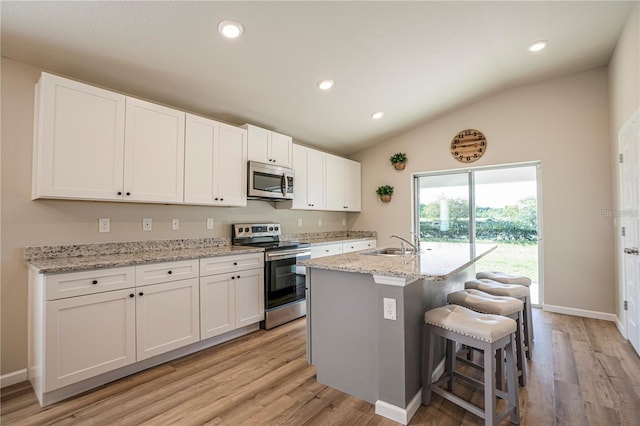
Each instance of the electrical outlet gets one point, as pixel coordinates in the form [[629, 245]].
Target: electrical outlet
[[175, 224], [147, 224], [344, 221], [389, 307], [104, 224], [299, 223], [209, 223], [319, 221]]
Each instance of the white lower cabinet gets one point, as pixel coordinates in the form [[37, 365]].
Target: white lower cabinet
[[325, 250], [88, 335], [167, 317], [232, 299], [358, 245]]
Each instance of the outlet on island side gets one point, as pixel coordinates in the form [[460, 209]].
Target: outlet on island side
[[389, 308]]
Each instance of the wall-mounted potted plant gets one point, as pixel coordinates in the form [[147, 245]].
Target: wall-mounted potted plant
[[398, 160], [385, 192]]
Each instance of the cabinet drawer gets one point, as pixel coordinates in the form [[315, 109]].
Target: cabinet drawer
[[326, 250], [224, 264], [358, 245], [59, 286], [166, 272]]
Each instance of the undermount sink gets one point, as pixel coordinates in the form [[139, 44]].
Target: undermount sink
[[387, 251]]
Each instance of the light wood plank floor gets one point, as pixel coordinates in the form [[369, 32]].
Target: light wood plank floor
[[582, 373]]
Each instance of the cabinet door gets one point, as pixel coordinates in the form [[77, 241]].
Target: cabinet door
[[334, 175], [352, 186], [300, 183], [258, 141], [281, 149], [200, 185], [78, 141], [249, 289], [217, 305], [230, 172], [315, 180], [167, 317], [154, 153], [88, 335]]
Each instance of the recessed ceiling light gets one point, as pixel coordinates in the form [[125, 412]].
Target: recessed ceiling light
[[538, 46], [230, 29], [325, 84], [377, 115]]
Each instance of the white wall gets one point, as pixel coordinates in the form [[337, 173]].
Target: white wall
[[44, 222], [624, 88], [563, 123]]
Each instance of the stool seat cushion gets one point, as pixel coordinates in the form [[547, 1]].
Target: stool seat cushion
[[486, 327], [504, 278], [486, 303], [498, 289]]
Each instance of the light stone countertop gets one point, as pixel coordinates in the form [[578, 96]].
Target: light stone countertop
[[333, 240], [437, 262]]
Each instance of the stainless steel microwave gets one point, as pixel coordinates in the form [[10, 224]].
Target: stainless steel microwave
[[267, 181]]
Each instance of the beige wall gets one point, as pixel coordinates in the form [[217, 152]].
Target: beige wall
[[44, 222], [624, 99], [564, 124]]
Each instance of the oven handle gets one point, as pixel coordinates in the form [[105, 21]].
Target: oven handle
[[288, 255]]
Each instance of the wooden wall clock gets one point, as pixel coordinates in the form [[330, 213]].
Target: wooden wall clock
[[468, 145]]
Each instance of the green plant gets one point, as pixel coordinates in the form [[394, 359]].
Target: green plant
[[399, 157], [384, 190]]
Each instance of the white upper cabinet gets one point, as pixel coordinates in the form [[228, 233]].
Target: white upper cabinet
[[154, 153], [78, 147], [308, 188], [343, 184], [215, 163], [269, 147]]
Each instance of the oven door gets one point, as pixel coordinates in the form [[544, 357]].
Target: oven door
[[284, 278]]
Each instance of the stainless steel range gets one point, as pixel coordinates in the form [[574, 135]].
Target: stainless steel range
[[285, 279]]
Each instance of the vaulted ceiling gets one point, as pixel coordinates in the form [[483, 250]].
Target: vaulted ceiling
[[412, 60]]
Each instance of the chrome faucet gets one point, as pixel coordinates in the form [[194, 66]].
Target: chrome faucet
[[402, 245]]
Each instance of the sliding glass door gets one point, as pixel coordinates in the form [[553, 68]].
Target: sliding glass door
[[497, 205]]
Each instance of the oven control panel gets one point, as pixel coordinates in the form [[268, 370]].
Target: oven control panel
[[247, 230]]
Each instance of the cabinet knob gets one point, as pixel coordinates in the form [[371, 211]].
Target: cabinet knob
[[221, 199], [169, 272], [238, 277], [131, 295], [216, 199], [94, 282], [233, 278], [119, 192], [141, 294], [128, 193], [235, 263]]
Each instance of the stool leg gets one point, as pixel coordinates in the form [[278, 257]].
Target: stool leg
[[499, 369], [450, 362], [489, 387], [427, 368], [528, 326], [520, 361], [512, 392]]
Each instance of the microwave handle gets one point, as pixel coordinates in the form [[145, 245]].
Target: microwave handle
[[284, 185]]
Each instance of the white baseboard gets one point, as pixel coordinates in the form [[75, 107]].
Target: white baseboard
[[397, 414], [580, 312], [13, 378], [621, 328]]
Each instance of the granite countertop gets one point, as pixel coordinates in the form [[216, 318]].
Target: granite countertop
[[80, 257], [437, 262], [319, 241]]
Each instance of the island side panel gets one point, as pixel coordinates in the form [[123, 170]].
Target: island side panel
[[344, 331], [420, 297]]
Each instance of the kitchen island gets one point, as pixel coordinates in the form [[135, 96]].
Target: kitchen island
[[365, 316]]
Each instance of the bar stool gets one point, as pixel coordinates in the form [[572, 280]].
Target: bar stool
[[504, 278], [485, 332], [511, 290], [510, 307]]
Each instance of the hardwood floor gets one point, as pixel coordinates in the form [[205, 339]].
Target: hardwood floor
[[582, 373]]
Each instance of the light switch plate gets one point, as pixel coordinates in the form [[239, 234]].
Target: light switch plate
[[389, 307], [209, 223], [147, 224], [104, 224], [299, 223], [175, 224]]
